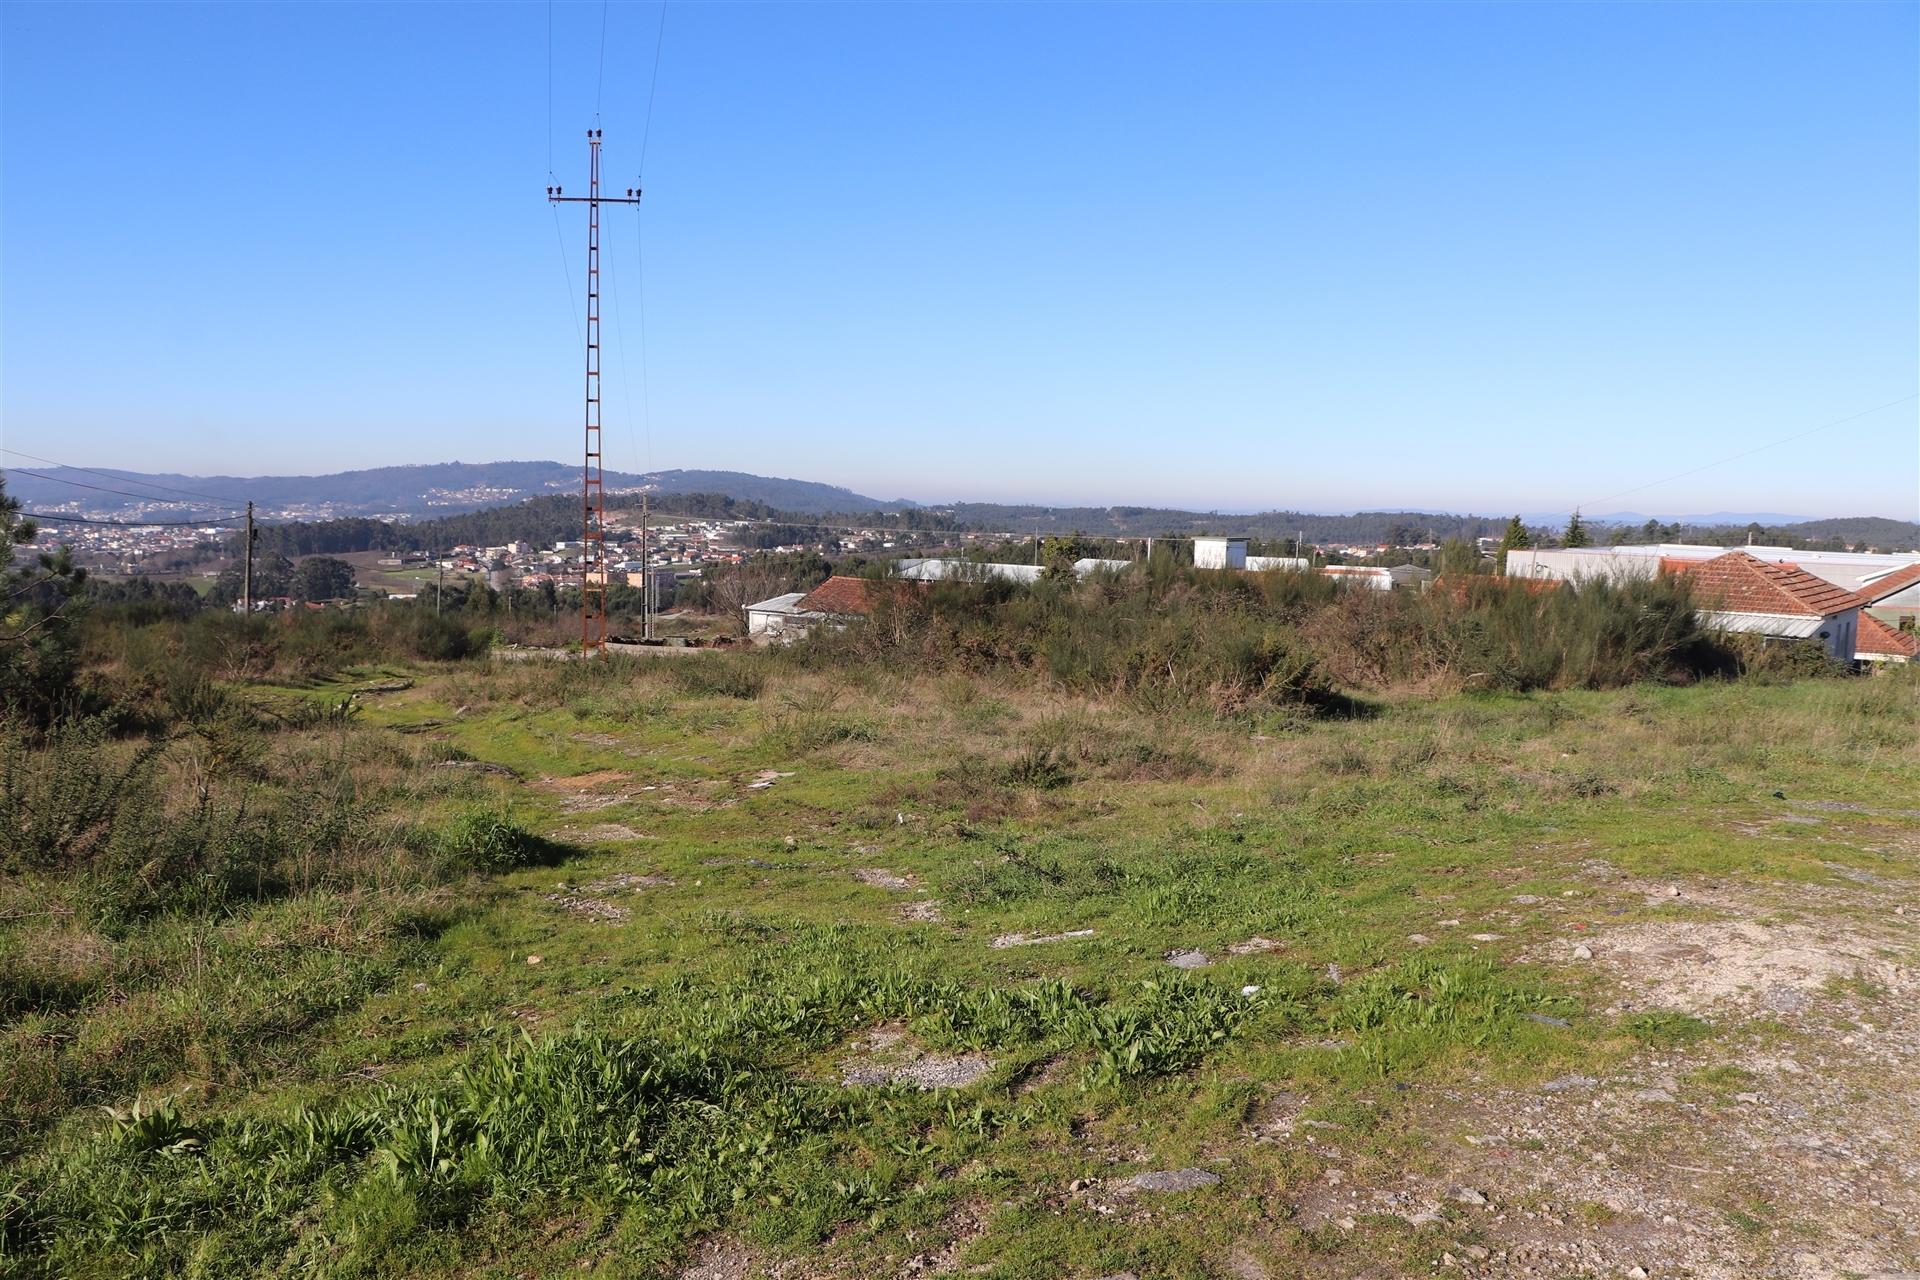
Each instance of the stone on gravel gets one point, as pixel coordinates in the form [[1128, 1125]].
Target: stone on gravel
[[1583, 952], [934, 1071], [1167, 1180], [1564, 1083], [1006, 940], [1465, 1195]]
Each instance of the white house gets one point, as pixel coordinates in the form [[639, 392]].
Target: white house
[[780, 620]]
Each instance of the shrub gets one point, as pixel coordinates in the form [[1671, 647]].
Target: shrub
[[489, 840], [727, 675]]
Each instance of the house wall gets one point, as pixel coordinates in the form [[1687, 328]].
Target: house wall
[[772, 626], [1840, 634]]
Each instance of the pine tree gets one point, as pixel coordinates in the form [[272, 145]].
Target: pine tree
[[1576, 534], [1514, 539]]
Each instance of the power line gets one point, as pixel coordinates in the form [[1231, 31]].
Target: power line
[[653, 83], [151, 484], [573, 308], [1771, 444], [640, 247], [132, 524], [125, 493], [601, 83], [549, 88]]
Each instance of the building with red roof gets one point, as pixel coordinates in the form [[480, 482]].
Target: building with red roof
[[1879, 642], [1741, 592]]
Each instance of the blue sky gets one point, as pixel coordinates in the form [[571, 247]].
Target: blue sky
[[1469, 257]]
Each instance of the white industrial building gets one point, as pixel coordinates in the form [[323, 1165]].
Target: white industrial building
[[1379, 577], [934, 569], [1850, 570], [1781, 593], [1219, 553]]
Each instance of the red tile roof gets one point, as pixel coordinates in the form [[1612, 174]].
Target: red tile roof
[[1898, 580], [847, 595], [1879, 638], [1741, 583]]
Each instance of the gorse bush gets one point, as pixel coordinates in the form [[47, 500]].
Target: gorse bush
[[1172, 638], [724, 675], [489, 840]]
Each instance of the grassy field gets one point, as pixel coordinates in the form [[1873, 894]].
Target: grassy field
[[724, 967]]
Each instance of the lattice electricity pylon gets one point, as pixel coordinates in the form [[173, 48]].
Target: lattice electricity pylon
[[593, 497]]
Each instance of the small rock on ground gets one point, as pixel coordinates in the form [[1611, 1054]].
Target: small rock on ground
[[719, 1260], [881, 878], [934, 1071], [1006, 940], [1166, 1180], [1189, 959]]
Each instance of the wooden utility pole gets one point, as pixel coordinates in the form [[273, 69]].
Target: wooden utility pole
[[246, 575]]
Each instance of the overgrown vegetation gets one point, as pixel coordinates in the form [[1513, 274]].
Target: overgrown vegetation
[[331, 945], [1173, 637]]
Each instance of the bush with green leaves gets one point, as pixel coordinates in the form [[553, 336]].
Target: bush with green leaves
[[490, 840]]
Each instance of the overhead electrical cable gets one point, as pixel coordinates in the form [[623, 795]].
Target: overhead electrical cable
[[549, 89], [639, 243], [600, 82], [110, 475], [653, 83], [132, 524], [125, 493], [1748, 453]]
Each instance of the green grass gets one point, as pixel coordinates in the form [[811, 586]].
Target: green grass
[[401, 1054]]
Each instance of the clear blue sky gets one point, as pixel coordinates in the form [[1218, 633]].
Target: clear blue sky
[[1469, 257]]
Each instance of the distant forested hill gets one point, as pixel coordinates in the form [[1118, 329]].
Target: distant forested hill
[[412, 491], [803, 497], [1362, 527], [542, 521]]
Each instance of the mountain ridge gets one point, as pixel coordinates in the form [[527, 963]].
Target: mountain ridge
[[427, 490]]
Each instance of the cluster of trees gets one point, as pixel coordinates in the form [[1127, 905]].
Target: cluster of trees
[[274, 575], [547, 520], [539, 520]]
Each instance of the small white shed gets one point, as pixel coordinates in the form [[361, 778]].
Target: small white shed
[[1219, 553], [779, 619]]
